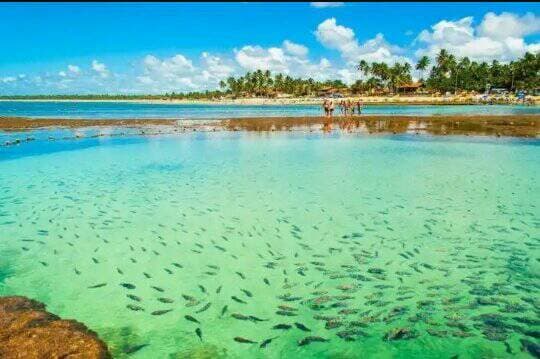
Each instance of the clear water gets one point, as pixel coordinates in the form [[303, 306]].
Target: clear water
[[142, 110], [440, 237]]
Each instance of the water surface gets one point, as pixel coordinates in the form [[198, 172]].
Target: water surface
[[351, 236], [59, 109]]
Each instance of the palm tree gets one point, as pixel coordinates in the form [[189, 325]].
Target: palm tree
[[363, 66], [422, 65]]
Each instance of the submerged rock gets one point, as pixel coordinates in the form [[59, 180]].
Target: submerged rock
[[27, 330]]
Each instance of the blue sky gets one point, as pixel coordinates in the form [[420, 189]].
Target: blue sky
[[98, 48]]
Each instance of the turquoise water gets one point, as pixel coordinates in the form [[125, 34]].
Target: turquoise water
[[141, 110], [350, 236]]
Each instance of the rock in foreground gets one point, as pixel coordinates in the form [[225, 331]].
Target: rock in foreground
[[27, 330]]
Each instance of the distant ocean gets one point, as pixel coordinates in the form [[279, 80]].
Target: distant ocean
[[123, 110]]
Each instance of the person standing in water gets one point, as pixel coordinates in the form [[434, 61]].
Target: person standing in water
[[359, 106]]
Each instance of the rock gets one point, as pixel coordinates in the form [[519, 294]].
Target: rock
[[27, 330]]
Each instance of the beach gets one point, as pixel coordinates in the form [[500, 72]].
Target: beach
[[374, 100]]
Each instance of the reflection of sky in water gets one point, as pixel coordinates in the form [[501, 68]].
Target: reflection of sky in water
[[140, 110], [351, 236]]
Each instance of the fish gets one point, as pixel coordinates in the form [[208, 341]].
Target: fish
[[255, 319], [189, 298], [265, 342], [241, 275], [282, 326], [244, 340], [302, 327], [218, 290], [198, 331], [98, 285], [191, 319], [311, 339], [224, 309], [239, 316], [236, 299], [135, 308], [165, 300], [161, 312], [286, 313], [205, 307], [130, 349], [133, 297], [128, 285], [203, 289], [247, 292], [266, 281]]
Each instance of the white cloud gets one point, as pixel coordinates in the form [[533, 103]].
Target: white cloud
[[508, 25], [497, 37], [254, 58], [100, 69], [215, 67], [322, 5], [8, 79], [295, 49], [73, 69], [343, 39]]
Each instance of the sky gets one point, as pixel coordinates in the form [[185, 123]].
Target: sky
[[78, 48]]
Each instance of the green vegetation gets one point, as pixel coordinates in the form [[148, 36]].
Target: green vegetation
[[448, 74]]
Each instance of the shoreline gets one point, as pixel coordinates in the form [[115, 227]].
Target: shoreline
[[488, 125], [424, 100]]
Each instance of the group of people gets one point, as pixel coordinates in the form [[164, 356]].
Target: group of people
[[347, 107]]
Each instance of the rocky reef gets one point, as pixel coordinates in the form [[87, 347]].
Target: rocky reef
[[27, 330]]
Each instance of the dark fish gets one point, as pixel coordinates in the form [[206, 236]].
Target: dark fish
[[302, 327], [241, 275], [165, 300], [133, 297], [130, 349], [236, 299], [135, 308], [224, 309], [191, 319], [127, 285], [311, 339], [98, 285], [161, 312], [158, 289], [198, 331], [189, 298], [247, 292], [239, 316], [203, 289], [244, 340], [286, 313], [205, 307], [531, 347], [218, 290], [266, 281], [266, 342], [282, 326], [255, 319]]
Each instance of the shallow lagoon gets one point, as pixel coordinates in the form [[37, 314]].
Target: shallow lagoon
[[357, 234]]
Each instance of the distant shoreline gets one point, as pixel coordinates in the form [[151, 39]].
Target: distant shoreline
[[367, 100]]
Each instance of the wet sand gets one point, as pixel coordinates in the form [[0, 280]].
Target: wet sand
[[488, 125]]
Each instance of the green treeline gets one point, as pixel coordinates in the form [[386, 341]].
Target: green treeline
[[447, 74]]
